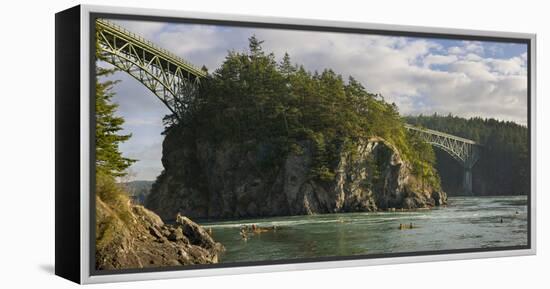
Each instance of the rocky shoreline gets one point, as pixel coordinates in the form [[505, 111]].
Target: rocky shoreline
[[138, 238]]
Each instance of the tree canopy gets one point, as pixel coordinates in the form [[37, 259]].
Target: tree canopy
[[253, 98]]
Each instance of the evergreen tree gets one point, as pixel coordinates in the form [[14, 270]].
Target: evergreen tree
[[109, 159], [255, 46], [286, 67]]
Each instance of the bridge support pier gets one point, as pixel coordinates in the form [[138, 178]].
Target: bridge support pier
[[467, 184]]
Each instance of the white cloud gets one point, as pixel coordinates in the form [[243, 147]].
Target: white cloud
[[511, 66], [474, 47], [438, 59], [524, 57], [473, 57], [476, 70], [456, 50]]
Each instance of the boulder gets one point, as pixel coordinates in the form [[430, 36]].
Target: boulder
[[196, 234]]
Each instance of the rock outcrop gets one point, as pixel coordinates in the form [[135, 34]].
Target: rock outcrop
[[131, 236], [201, 180]]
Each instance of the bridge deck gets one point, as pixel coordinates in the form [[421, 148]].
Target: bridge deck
[[148, 47], [435, 132]]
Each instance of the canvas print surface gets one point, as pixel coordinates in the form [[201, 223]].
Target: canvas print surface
[[220, 144]]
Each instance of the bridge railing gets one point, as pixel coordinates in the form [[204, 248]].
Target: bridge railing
[[104, 24]]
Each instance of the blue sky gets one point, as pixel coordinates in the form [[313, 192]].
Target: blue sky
[[421, 75]]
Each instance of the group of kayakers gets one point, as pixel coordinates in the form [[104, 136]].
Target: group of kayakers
[[255, 229]]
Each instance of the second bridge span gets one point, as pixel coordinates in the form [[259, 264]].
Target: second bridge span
[[465, 151]]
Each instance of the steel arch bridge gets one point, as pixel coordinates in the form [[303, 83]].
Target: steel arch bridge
[[465, 151], [172, 79]]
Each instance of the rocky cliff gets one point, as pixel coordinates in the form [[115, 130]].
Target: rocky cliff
[[203, 180], [129, 236]]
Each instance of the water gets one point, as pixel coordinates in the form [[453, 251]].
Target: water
[[467, 222]]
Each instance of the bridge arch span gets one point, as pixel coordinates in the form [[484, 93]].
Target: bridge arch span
[[450, 152], [466, 152], [172, 79]]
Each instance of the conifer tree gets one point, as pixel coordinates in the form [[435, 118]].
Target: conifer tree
[[109, 159], [286, 66], [255, 46]]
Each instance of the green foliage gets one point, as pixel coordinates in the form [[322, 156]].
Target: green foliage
[[423, 161], [280, 107], [321, 166], [109, 159], [114, 195], [113, 211]]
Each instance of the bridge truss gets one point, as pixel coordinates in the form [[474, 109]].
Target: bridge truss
[[173, 80], [465, 151]]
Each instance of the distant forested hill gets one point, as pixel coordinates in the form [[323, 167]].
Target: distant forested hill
[[138, 190], [503, 168]]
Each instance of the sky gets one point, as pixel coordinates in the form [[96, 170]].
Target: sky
[[421, 75]]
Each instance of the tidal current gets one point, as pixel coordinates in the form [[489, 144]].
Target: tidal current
[[465, 223]]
